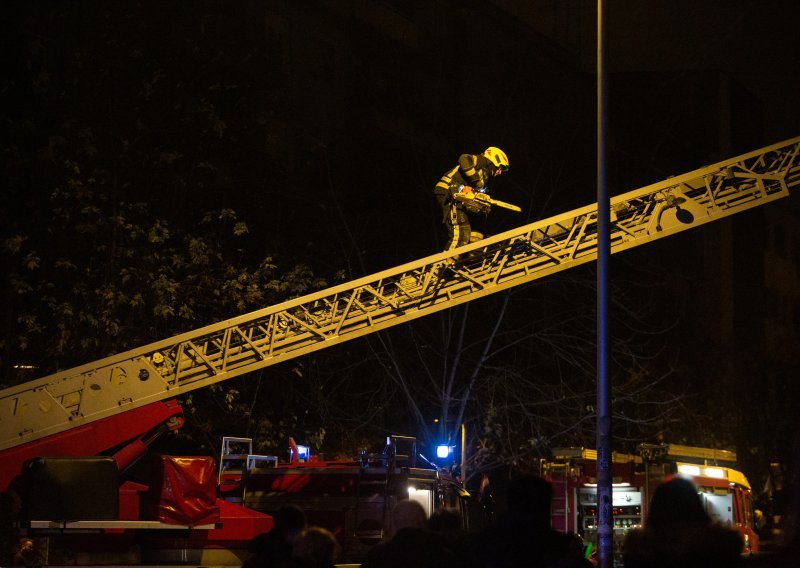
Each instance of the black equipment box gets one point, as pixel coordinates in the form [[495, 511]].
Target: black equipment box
[[72, 489]]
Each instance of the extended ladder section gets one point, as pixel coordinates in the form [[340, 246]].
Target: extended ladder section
[[196, 359]]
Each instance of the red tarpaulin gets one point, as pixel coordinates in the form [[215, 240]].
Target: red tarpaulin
[[188, 492]]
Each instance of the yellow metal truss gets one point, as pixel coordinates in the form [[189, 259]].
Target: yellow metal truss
[[230, 348]]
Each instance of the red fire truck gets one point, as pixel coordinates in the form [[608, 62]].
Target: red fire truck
[[725, 491], [82, 497], [351, 498]]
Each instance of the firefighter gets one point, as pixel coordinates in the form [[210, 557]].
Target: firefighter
[[463, 191]]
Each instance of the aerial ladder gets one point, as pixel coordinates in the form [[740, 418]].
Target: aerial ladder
[[72, 400]]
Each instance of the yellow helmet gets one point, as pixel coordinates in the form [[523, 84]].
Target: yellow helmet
[[497, 157]]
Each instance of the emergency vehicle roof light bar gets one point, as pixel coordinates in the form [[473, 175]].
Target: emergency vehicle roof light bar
[[696, 470], [703, 456]]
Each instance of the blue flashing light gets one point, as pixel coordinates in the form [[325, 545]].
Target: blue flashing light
[[442, 451]]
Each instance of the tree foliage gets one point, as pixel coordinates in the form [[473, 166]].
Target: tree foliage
[[135, 174]]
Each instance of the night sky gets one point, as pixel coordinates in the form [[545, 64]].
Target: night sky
[[753, 42], [326, 127]]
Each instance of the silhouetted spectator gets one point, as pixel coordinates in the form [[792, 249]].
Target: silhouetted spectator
[[522, 536], [316, 547], [275, 547], [447, 525], [24, 553], [407, 514], [412, 545], [679, 532], [787, 552]]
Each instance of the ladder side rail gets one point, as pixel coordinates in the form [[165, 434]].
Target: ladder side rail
[[230, 348], [285, 308]]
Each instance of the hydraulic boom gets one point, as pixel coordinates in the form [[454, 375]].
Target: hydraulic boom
[[165, 369]]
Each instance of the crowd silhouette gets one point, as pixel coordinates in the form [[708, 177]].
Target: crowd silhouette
[[676, 533], [412, 543]]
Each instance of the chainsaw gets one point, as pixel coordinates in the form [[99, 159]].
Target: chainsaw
[[478, 201]]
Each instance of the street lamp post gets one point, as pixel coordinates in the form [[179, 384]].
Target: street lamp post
[[603, 441]]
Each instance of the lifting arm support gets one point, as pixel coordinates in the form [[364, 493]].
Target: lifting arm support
[[174, 366]]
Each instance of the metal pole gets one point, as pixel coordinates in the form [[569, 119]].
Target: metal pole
[[605, 526]]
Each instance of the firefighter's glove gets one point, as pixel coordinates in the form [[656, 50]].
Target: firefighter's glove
[[466, 191]]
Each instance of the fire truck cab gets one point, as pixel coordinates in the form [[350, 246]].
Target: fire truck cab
[[724, 491]]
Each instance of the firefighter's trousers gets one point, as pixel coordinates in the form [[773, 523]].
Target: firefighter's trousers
[[457, 223]]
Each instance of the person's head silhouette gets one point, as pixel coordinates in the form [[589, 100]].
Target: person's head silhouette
[[676, 501], [530, 495]]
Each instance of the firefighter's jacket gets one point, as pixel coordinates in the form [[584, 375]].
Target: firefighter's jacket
[[472, 170]]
